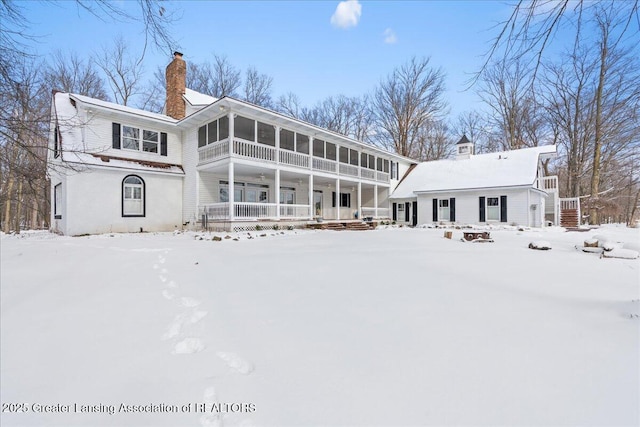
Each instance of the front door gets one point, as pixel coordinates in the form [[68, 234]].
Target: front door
[[317, 203]]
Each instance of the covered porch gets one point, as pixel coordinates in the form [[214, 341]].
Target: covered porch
[[240, 192]]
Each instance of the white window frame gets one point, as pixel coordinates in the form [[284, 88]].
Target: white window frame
[[133, 197], [141, 138], [148, 144], [493, 211], [57, 200], [401, 207], [444, 211]]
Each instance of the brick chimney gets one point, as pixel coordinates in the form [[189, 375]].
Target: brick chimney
[[176, 74]]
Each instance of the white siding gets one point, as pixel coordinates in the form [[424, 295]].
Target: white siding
[[94, 203], [189, 163], [519, 203], [98, 139]]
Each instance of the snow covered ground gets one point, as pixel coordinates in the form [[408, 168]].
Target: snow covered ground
[[385, 327]]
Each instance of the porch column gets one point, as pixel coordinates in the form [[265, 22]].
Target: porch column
[[231, 133], [360, 216], [277, 191], [231, 191], [375, 201], [338, 199], [311, 206]]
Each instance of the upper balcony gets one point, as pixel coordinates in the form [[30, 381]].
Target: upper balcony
[[548, 184], [240, 148]]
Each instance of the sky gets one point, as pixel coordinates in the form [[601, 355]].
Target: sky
[[313, 49]]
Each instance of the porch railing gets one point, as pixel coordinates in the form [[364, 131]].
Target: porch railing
[[294, 211], [348, 170], [266, 153], [213, 151], [254, 150], [368, 174], [548, 183], [294, 159], [324, 165]]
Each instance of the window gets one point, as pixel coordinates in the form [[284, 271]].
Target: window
[[302, 143], [386, 166], [318, 148], [330, 151], [245, 128], [287, 195], [353, 157], [400, 207], [379, 164], [149, 141], [394, 170], [493, 209], [214, 131], [364, 160], [238, 191], [137, 139], [223, 128], [345, 200], [372, 161], [287, 141], [443, 210], [130, 138], [56, 141], [57, 201], [344, 155], [133, 202], [266, 134]]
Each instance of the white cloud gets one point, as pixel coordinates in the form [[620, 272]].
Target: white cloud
[[347, 14], [389, 36]]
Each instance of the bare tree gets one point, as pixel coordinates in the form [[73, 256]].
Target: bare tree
[[408, 99], [123, 71], [434, 142], [515, 112], [533, 25], [68, 73], [257, 88]]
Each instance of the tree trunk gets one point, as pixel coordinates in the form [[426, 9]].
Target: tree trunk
[[18, 216], [597, 149], [7, 207]]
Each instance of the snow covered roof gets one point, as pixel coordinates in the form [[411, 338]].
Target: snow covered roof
[[505, 169], [122, 108], [197, 98]]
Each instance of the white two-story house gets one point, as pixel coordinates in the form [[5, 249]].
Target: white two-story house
[[220, 163]]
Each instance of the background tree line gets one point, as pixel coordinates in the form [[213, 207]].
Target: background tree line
[[585, 100]]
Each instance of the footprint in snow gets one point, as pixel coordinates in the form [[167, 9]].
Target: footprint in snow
[[162, 278], [167, 294], [161, 259], [197, 316], [188, 346], [173, 329], [189, 302], [213, 419], [236, 363], [172, 284]]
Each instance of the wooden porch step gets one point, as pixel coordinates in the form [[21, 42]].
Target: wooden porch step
[[358, 226]]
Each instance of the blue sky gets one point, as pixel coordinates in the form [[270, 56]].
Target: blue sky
[[311, 48]]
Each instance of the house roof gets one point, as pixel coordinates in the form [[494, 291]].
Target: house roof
[[122, 108], [493, 170], [463, 140], [197, 98]]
